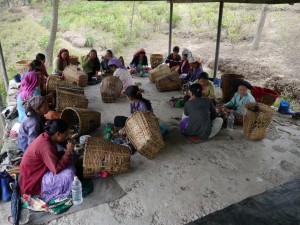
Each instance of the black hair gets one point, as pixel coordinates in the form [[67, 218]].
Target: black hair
[[176, 49], [203, 75], [133, 91], [35, 66], [196, 90], [54, 126], [108, 50], [40, 57]]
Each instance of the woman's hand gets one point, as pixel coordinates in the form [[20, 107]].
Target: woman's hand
[[70, 147]]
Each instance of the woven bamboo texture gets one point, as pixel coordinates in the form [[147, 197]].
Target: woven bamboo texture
[[161, 70], [227, 83], [110, 89], [168, 82], [156, 60], [86, 120], [100, 155], [255, 124], [73, 59], [23, 66], [75, 75], [143, 131], [66, 99], [53, 82]]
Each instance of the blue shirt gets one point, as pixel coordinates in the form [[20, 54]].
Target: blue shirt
[[21, 110], [30, 129], [193, 74], [237, 102]]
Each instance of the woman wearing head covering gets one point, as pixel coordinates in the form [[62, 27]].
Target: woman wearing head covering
[[42, 172], [184, 66], [91, 64], [195, 70], [174, 58], [200, 120], [28, 88], [31, 127], [104, 62], [61, 62], [139, 61], [240, 98], [121, 72]]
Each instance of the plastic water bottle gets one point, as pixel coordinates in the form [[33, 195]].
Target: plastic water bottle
[[77, 191], [230, 122], [107, 133]]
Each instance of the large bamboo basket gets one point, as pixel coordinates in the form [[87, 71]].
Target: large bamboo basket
[[110, 89], [53, 82], [66, 99], [227, 85], [168, 82], [156, 60], [255, 124], [75, 75], [84, 120], [161, 70], [100, 155], [143, 131], [73, 60], [23, 66]]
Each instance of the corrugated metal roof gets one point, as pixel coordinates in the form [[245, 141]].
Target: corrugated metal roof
[[241, 1]]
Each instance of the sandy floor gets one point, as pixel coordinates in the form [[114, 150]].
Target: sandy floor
[[187, 181]]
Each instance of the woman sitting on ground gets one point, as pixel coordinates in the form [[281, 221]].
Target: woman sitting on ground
[[42, 172], [42, 58], [208, 88], [104, 62], [174, 58], [194, 72], [139, 62], [91, 65], [61, 62], [137, 103], [200, 121], [32, 125], [29, 88], [235, 105], [121, 72], [184, 65]]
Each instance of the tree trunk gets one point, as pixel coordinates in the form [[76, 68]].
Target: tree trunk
[[256, 40], [50, 45]]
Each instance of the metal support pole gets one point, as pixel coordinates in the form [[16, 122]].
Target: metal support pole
[[218, 38], [4, 68], [170, 28]]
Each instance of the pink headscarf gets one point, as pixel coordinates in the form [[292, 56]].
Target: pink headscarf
[[139, 51], [60, 58], [28, 84]]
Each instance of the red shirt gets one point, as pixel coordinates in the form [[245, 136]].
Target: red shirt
[[39, 158], [185, 68]]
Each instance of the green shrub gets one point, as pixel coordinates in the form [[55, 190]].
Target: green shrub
[[89, 40], [43, 41]]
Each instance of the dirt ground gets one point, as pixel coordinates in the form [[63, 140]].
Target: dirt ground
[[188, 181]]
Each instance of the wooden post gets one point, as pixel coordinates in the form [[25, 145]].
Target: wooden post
[[170, 28], [218, 38], [4, 68], [263, 16]]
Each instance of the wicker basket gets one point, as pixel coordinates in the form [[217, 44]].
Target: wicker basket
[[100, 155], [143, 131], [168, 82], [110, 89], [255, 124], [86, 120], [264, 95], [23, 66], [75, 75], [66, 99], [73, 60], [53, 82], [156, 60], [227, 83], [161, 70]]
